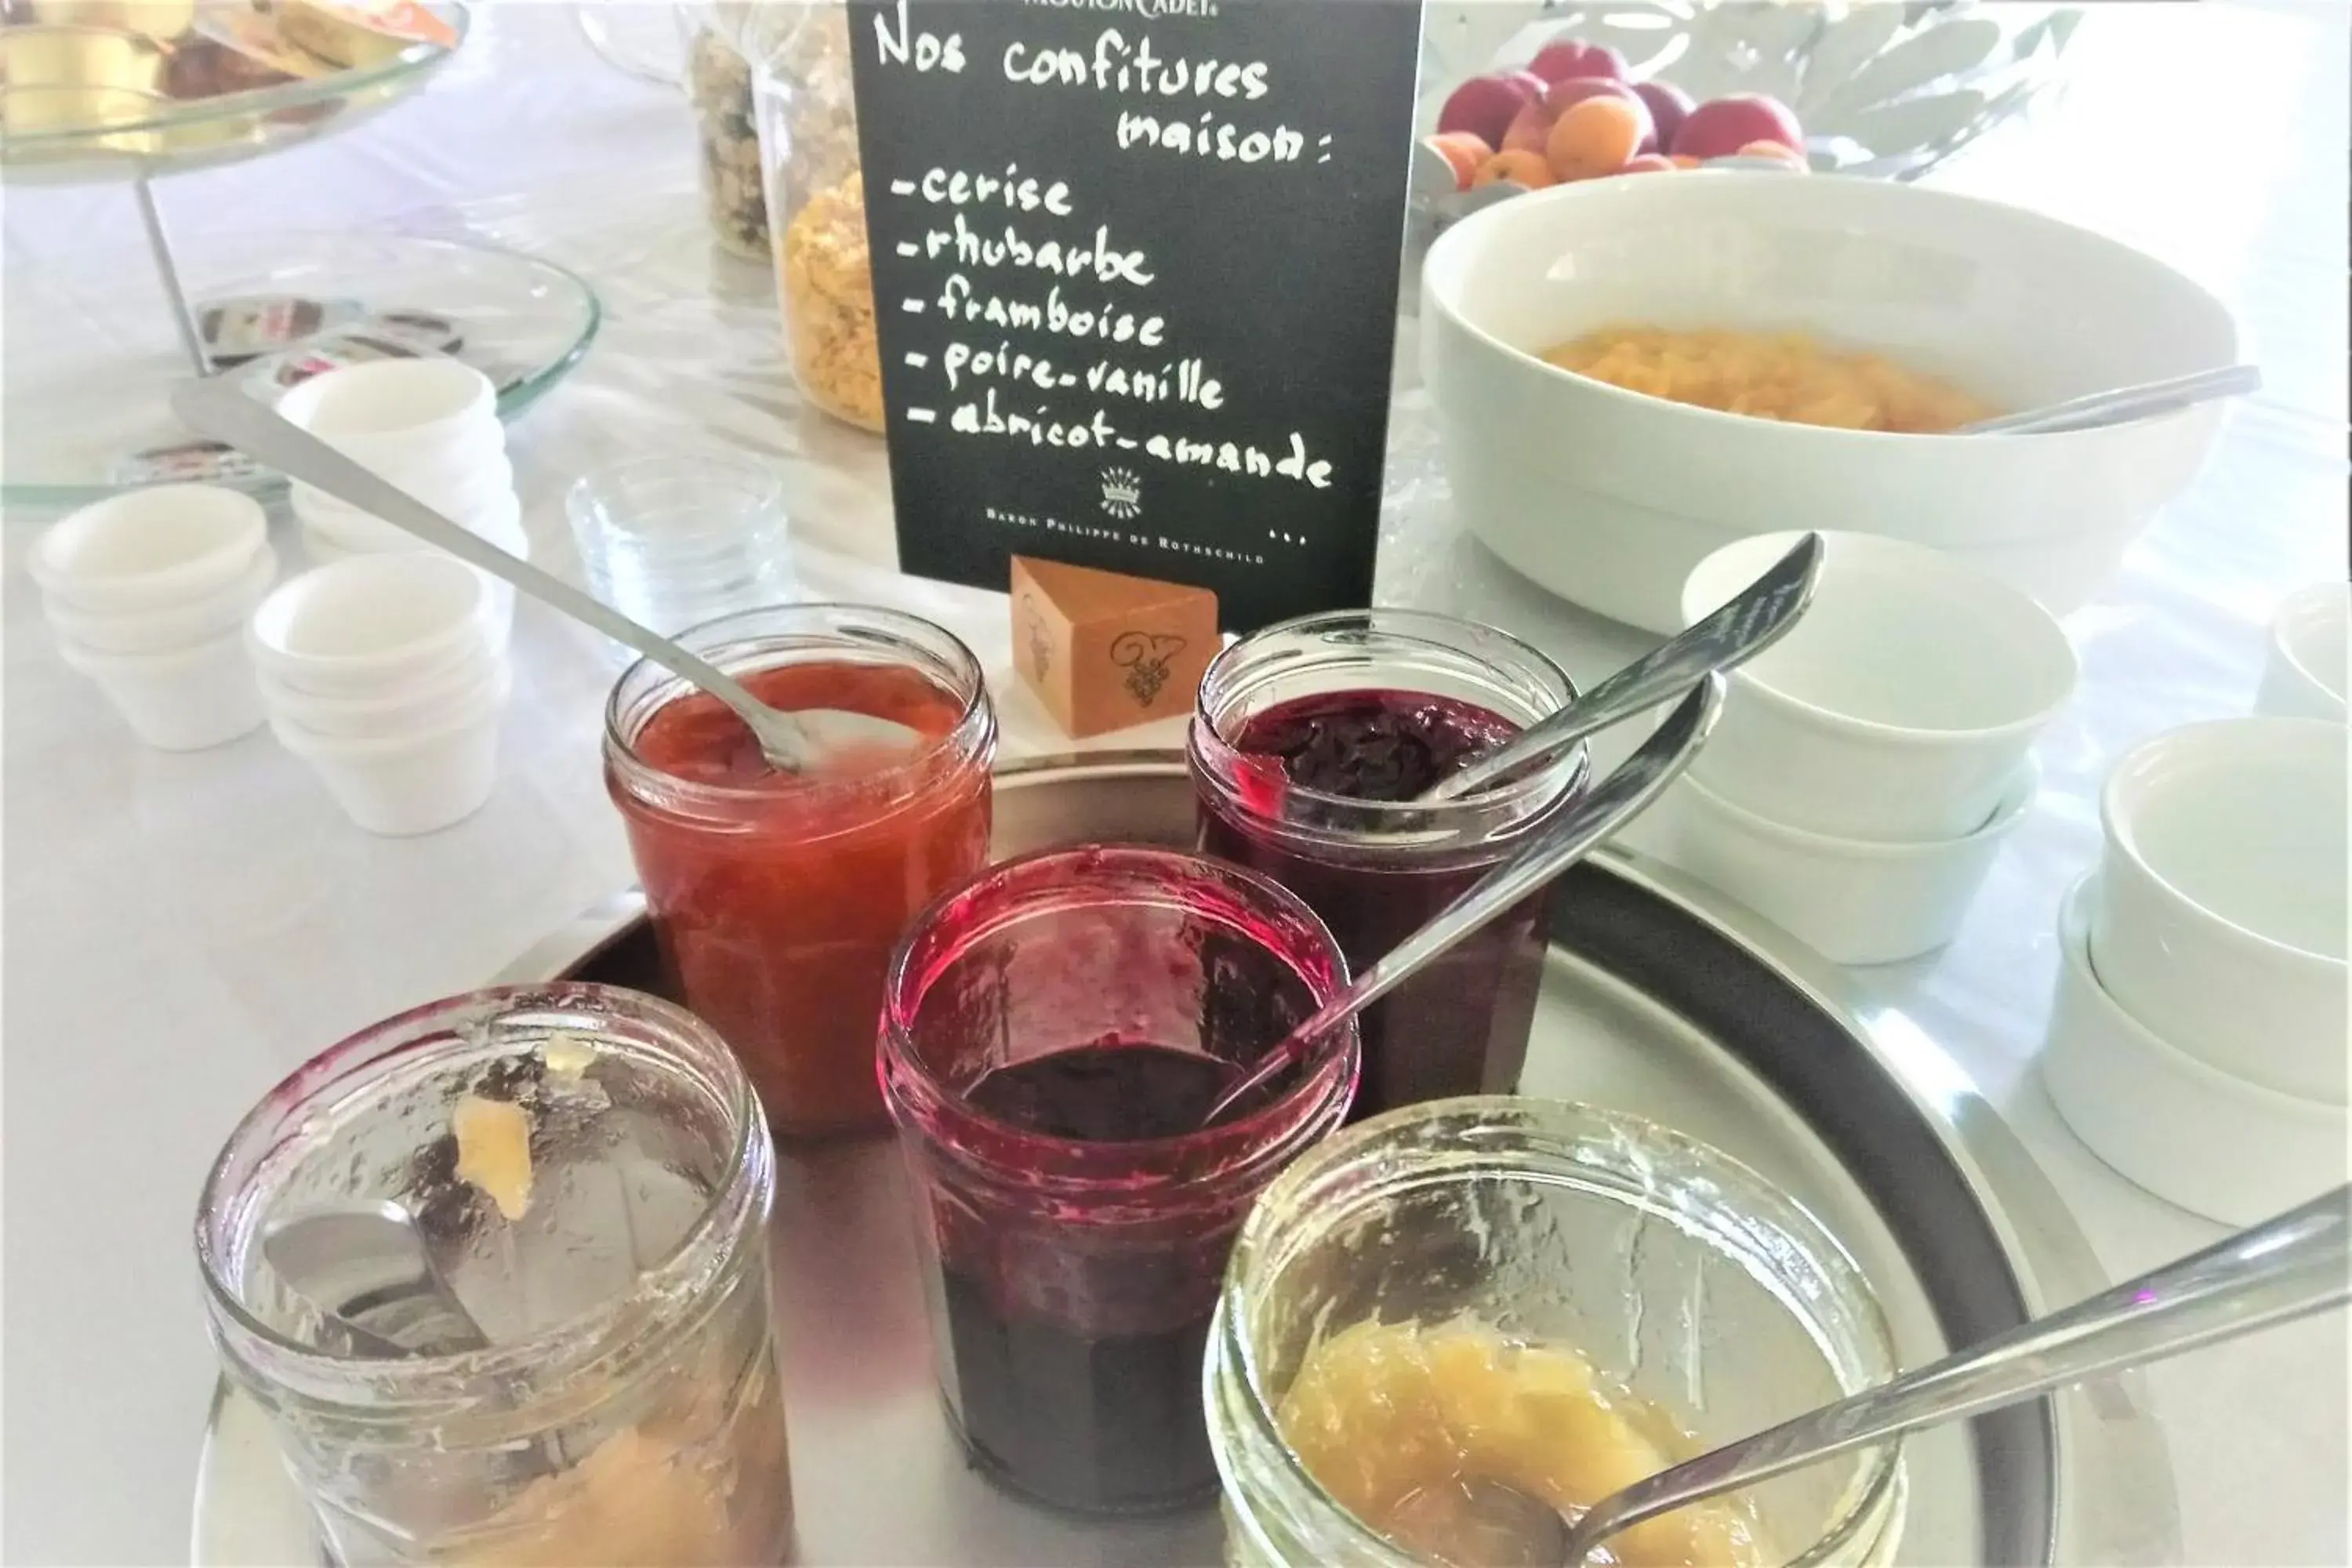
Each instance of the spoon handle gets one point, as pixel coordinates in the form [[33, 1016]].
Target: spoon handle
[[1753, 621], [2283, 1269], [2122, 404], [1585, 822], [224, 411]]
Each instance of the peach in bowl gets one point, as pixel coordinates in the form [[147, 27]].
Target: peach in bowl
[[1799, 297]]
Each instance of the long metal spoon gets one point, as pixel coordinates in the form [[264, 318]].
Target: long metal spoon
[[2121, 404], [1582, 825], [1753, 621], [2285, 1268], [792, 742]]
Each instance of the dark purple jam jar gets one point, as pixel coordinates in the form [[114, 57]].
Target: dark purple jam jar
[[1311, 740], [1052, 1033]]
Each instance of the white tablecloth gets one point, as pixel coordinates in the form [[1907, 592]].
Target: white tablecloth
[[180, 930]]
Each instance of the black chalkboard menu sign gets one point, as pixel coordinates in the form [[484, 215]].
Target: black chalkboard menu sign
[[1135, 276]]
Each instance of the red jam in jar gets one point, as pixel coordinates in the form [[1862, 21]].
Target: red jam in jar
[[1310, 741], [1053, 1034], [777, 897]]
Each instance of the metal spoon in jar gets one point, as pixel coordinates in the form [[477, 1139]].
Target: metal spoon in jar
[[367, 1269], [2285, 1268], [1580, 829], [1758, 617], [792, 742]]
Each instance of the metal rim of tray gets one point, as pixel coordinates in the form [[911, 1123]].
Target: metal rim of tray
[[2005, 1247]]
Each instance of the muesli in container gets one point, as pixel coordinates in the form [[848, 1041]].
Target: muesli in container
[[816, 206]]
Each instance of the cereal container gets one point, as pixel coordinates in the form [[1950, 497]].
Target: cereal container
[[807, 111]]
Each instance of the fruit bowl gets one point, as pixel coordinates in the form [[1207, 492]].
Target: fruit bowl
[[1871, 88], [1608, 497]]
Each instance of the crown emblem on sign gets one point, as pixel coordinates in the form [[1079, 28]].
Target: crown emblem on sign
[[1122, 493]]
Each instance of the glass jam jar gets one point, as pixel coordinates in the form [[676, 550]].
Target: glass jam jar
[[776, 899], [1053, 1034], [807, 108], [1701, 1303], [588, 1171], [1378, 703]]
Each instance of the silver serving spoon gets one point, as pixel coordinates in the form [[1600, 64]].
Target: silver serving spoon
[[792, 742], [2121, 404], [1758, 617], [368, 1271], [1600, 812], [2285, 1268]]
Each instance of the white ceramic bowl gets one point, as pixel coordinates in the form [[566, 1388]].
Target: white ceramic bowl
[[1898, 707], [421, 782], [172, 627], [2306, 672], [500, 525], [1850, 900], [464, 484], [150, 549], [395, 410], [403, 712], [181, 701], [375, 624], [2220, 920], [2215, 1145], [1608, 497]]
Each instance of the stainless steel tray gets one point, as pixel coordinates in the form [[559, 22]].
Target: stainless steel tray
[[1654, 1003]]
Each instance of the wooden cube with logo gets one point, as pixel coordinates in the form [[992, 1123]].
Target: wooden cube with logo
[[1104, 651]]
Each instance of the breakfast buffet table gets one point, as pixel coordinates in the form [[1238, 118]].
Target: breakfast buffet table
[[182, 930]]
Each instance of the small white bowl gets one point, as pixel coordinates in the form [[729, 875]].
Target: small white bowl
[[149, 549], [462, 484], [2217, 1145], [1851, 900], [181, 701], [2306, 675], [1898, 708], [398, 714], [375, 624], [359, 530], [2220, 920], [395, 408], [165, 630], [1608, 497], [500, 525], [418, 783]]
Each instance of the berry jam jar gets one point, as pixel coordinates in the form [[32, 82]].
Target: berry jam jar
[[777, 897], [1309, 741], [1053, 1033]]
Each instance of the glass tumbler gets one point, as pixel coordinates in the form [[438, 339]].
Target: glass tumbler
[[1681, 1276], [1377, 871], [589, 1173], [673, 541], [1070, 1281], [776, 899]]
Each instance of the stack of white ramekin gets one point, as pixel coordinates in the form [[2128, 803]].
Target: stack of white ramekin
[[384, 673], [1868, 766], [148, 593], [429, 427], [2197, 1043]]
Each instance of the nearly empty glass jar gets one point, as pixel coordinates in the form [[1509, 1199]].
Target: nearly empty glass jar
[[590, 1175], [1308, 742], [1590, 1295], [1054, 1031]]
